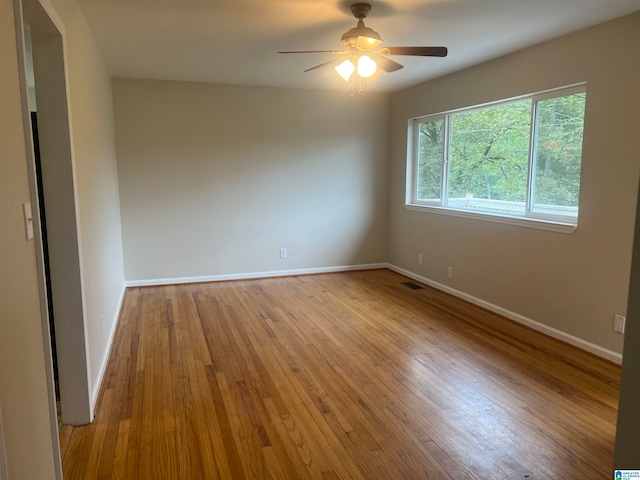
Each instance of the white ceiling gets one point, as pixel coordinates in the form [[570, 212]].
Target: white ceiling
[[236, 41]]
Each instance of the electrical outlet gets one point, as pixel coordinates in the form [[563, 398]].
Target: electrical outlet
[[618, 323], [283, 253], [450, 272], [420, 258]]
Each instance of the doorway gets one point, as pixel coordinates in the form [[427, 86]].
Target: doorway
[[53, 194], [45, 258], [41, 209]]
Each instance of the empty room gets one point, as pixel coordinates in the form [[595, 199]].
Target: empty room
[[319, 239]]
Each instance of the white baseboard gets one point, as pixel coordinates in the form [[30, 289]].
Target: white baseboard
[[247, 276], [95, 391], [552, 332]]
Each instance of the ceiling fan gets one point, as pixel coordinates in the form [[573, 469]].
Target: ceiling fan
[[361, 55]]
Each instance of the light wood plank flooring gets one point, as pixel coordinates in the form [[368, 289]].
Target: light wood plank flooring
[[347, 375]]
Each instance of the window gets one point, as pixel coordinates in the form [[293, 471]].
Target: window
[[516, 159]]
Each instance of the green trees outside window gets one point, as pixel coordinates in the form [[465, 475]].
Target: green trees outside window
[[517, 158], [430, 159]]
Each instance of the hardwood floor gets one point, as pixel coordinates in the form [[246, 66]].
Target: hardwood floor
[[347, 375]]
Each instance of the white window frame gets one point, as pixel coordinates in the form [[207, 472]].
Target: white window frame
[[558, 223]]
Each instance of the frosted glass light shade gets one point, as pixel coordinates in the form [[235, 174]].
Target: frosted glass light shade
[[366, 66], [345, 69]]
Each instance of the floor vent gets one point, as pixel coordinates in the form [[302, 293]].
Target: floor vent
[[411, 285]]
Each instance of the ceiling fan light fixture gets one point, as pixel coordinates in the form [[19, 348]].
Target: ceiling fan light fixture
[[346, 69], [367, 67], [362, 54]]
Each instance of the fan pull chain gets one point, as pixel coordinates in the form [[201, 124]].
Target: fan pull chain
[[353, 87]]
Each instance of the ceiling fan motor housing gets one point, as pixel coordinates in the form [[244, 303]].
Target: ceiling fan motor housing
[[361, 37]]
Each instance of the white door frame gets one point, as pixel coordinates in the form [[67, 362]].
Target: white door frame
[[58, 176]]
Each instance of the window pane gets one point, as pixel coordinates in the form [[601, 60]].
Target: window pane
[[558, 155], [430, 159], [489, 158]]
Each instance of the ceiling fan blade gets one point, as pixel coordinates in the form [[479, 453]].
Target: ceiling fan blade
[[416, 51], [385, 63], [314, 51], [333, 60]]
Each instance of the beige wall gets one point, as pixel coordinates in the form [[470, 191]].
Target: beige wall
[[216, 179], [23, 380], [571, 282]]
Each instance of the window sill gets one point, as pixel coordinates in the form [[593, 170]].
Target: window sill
[[559, 227]]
